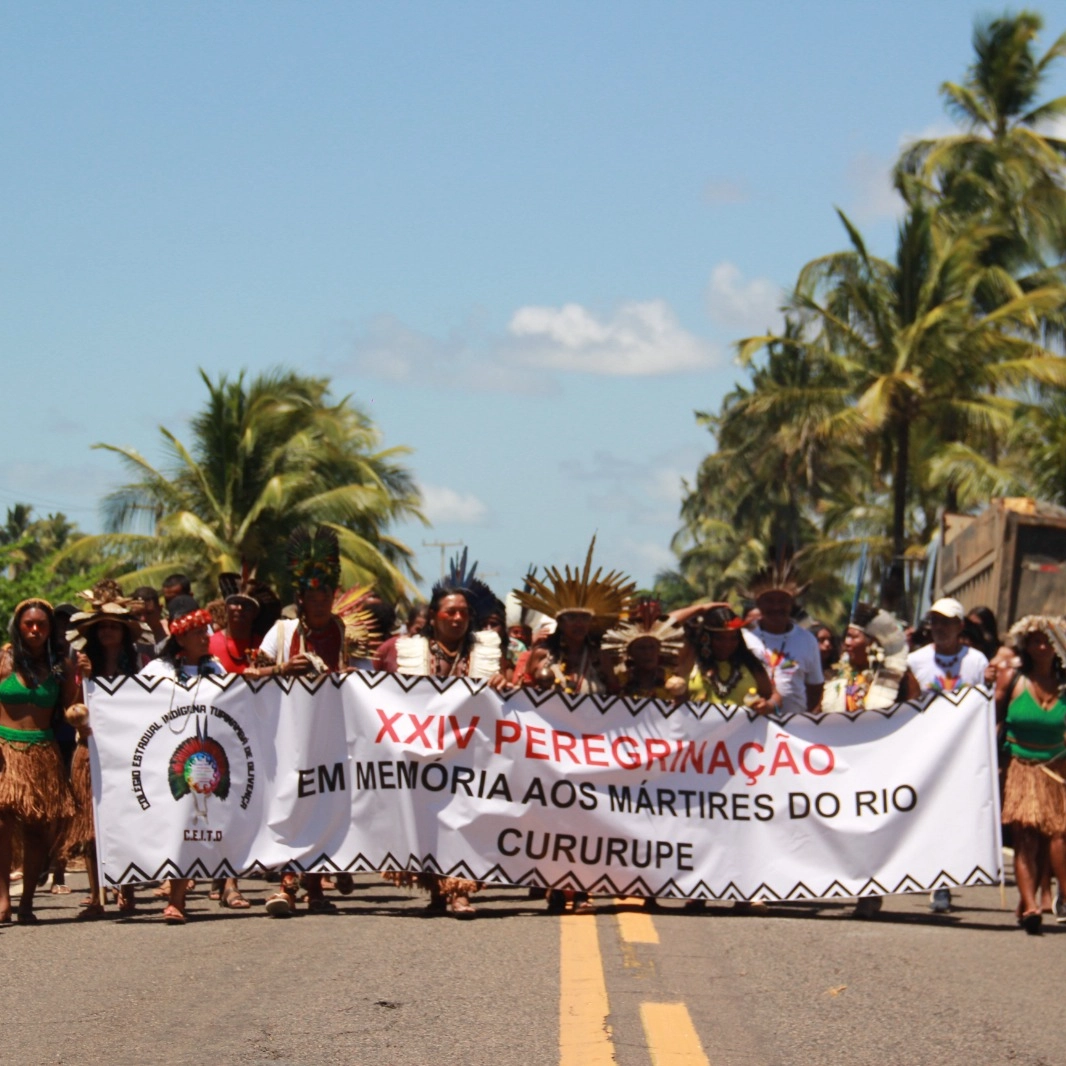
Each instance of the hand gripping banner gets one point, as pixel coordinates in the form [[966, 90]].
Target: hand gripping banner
[[366, 772]]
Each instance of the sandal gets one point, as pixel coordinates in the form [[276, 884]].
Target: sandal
[[321, 905], [60, 890], [162, 892], [173, 916], [90, 913], [232, 899], [1030, 921], [461, 908], [280, 905], [127, 902], [586, 906], [26, 917]]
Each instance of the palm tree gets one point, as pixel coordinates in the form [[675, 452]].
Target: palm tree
[[1004, 167], [266, 456], [919, 355]]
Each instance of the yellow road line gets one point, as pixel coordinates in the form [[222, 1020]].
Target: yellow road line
[[636, 926], [584, 1036], [671, 1036]]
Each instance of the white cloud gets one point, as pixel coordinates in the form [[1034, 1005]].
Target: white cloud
[[441, 504], [641, 339], [724, 191], [388, 349], [749, 305]]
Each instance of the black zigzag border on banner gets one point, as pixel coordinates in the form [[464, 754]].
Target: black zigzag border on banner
[[635, 707], [602, 885]]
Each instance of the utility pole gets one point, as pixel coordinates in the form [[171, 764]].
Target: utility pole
[[442, 544]]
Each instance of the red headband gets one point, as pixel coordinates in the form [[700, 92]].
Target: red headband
[[192, 620]]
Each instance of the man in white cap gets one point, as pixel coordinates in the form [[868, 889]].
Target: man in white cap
[[944, 666], [947, 664]]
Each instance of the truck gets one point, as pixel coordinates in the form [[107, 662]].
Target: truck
[[1011, 558]]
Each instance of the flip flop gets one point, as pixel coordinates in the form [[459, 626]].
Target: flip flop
[[233, 900]]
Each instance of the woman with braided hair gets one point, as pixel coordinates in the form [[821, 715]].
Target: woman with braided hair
[[34, 794]]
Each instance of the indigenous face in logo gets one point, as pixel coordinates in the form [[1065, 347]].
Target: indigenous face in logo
[[199, 766]]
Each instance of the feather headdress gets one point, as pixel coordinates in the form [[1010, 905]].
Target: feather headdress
[[1052, 628], [460, 578], [105, 604], [781, 577], [314, 558], [646, 622], [361, 634], [601, 595]]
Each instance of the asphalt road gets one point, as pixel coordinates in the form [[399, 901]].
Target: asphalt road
[[379, 983]]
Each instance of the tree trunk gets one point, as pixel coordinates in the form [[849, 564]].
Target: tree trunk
[[893, 588]]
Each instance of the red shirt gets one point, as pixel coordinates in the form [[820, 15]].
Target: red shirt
[[231, 653]]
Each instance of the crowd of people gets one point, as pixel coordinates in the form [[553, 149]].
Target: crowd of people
[[579, 631]]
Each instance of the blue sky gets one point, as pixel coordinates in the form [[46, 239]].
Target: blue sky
[[522, 236]]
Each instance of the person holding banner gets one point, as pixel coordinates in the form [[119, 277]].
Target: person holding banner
[[789, 652], [647, 646], [317, 641], [870, 675], [104, 637], [946, 665], [34, 793], [450, 645], [725, 669], [584, 605], [1034, 798]]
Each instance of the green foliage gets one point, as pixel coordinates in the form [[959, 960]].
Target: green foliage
[[265, 456], [30, 561], [899, 387]]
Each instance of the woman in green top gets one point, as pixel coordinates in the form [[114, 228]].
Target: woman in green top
[[1034, 797], [34, 793]]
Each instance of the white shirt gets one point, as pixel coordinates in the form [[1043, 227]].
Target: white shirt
[[793, 661], [945, 673]]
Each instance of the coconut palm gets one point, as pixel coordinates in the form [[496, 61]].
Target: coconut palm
[[266, 455], [919, 353], [1006, 166]]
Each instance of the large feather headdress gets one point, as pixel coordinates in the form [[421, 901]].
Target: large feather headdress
[[646, 621], [361, 636], [314, 558], [601, 595], [781, 577], [461, 578]]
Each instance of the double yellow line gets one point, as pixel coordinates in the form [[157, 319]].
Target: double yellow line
[[584, 1029]]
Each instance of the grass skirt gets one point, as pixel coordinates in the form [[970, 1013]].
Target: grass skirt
[[33, 785], [1034, 799], [448, 887], [80, 831]]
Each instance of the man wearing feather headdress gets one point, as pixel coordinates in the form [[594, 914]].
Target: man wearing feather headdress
[[316, 641], [453, 644]]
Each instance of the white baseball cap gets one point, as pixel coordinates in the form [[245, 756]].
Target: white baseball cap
[[949, 608]]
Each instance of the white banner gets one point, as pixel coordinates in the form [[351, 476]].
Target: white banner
[[373, 771]]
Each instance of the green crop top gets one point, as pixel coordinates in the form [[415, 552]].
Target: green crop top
[[1032, 732], [45, 695]]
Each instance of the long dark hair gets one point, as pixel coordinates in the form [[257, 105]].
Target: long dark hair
[[701, 633], [983, 630], [438, 597], [128, 663], [20, 656]]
